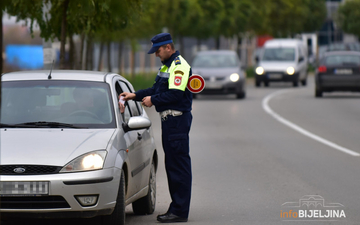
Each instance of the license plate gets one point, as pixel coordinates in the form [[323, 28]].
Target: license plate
[[24, 188], [275, 76], [210, 85], [343, 71]]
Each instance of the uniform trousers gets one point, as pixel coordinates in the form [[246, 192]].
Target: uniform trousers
[[175, 141]]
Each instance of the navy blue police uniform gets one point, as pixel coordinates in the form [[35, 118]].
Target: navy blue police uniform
[[173, 101]]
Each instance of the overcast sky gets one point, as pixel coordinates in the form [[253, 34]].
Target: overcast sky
[[11, 20]]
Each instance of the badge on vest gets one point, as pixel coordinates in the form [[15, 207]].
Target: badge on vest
[[177, 81], [179, 72], [177, 61]]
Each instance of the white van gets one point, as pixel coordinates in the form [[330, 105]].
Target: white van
[[282, 60]]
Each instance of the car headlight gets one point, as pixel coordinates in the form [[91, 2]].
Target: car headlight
[[290, 70], [259, 70], [89, 161], [234, 77]]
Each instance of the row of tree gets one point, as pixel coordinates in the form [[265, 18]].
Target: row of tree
[[106, 21]]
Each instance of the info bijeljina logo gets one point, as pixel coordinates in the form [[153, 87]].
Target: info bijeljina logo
[[312, 208]]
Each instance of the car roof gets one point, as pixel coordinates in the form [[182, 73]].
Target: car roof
[[216, 52], [282, 42], [341, 53], [56, 75]]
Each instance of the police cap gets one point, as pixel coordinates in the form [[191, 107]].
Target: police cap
[[160, 40]]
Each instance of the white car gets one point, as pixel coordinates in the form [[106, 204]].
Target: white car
[[67, 150]]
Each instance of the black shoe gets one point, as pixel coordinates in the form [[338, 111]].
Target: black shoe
[[170, 218]]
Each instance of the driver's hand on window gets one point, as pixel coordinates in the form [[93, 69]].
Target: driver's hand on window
[[121, 104], [128, 96]]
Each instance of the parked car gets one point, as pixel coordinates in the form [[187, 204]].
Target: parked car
[[282, 60], [338, 71], [68, 151], [222, 72]]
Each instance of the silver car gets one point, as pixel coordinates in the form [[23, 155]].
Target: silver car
[[68, 150], [222, 72]]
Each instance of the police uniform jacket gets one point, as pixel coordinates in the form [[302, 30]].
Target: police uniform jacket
[[169, 90]]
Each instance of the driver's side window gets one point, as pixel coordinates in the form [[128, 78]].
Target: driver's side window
[[126, 114], [131, 109]]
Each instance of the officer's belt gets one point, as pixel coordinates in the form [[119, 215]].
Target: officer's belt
[[170, 112]]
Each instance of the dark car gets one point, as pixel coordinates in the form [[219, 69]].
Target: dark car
[[338, 71], [222, 72]]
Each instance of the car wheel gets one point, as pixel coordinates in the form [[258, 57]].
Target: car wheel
[[318, 92], [296, 83], [304, 82], [146, 205], [257, 83], [241, 95], [266, 83], [118, 215]]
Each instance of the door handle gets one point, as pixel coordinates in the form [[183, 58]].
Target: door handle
[[139, 137]]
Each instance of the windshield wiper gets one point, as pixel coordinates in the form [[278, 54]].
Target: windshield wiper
[[14, 125], [43, 124]]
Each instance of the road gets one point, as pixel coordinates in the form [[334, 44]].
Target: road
[[251, 162]]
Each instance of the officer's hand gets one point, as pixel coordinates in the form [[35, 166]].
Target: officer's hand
[[147, 101], [127, 96]]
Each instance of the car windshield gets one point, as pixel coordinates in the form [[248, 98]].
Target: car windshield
[[216, 60], [80, 104], [279, 54], [342, 60]]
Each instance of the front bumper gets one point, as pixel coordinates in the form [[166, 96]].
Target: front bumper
[[61, 201], [338, 82], [277, 77]]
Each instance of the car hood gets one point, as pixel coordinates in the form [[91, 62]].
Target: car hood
[[276, 66], [216, 72], [50, 146]]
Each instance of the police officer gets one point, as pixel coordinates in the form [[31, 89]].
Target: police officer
[[173, 101]]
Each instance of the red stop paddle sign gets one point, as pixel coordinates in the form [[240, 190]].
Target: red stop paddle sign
[[196, 83]]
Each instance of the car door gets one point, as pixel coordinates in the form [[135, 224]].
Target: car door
[[136, 145]]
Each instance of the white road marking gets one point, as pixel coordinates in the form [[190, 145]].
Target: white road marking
[[266, 107]]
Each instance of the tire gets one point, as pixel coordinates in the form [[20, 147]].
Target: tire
[[318, 92], [241, 95], [304, 82], [266, 83], [118, 215], [146, 205], [257, 83], [296, 83]]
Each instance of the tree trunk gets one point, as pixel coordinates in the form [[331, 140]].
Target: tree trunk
[[132, 61], [82, 44], [182, 47], [72, 53], [89, 54], [121, 46], [218, 42], [109, 55], [100, 56], [63, 34]]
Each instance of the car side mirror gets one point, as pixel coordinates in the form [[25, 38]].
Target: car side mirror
[[257, 59], [137, 123], [301, 58]]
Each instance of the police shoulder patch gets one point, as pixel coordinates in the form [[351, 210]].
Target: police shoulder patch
[[179, 72], [177, 60]]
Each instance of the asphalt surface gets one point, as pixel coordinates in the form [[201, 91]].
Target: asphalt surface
[[250, 165]]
